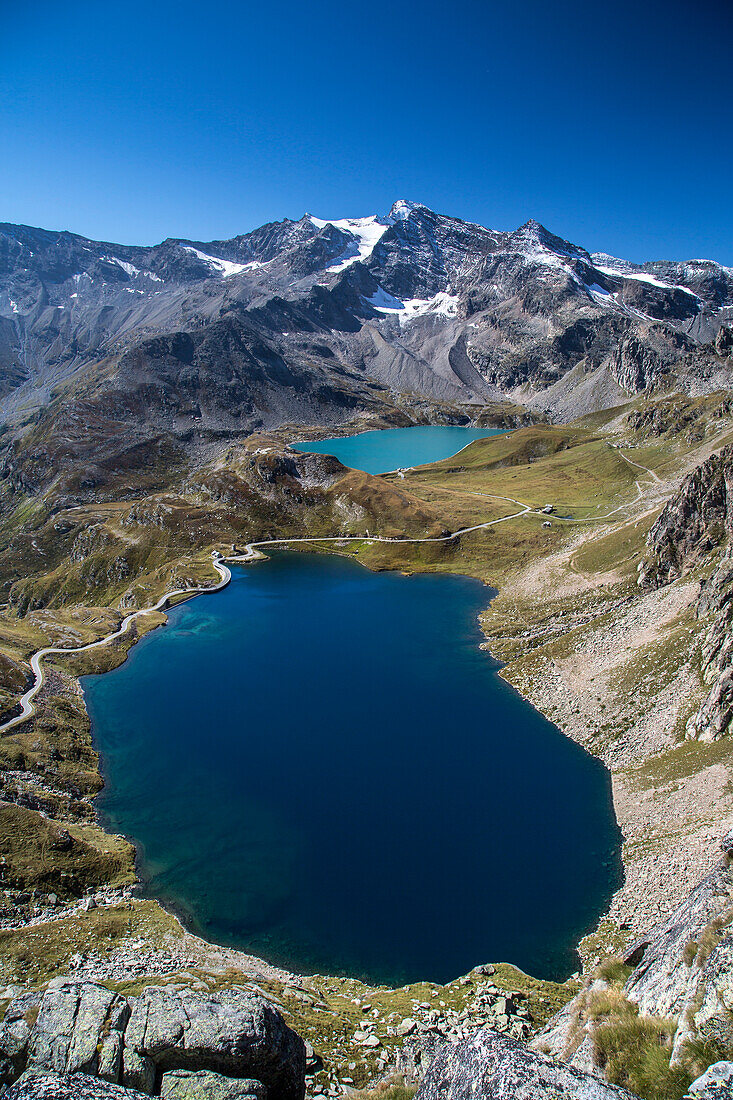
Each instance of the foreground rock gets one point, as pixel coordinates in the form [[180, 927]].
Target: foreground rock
[[184, 1084], [79, 1086], [495, 1067], [79, 1028], [716, 1083], [233, 1033], [168, 1035], [417, 1054]]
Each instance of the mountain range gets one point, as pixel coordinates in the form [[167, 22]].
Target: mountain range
[[307, 320]]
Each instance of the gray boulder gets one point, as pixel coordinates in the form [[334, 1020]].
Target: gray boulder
[[182, 1084], [78, 1086], [716, 1083], [417, 1053], [79, 1029], [490, 1066], [232, 1032], [138, 1071], [15, 1032]]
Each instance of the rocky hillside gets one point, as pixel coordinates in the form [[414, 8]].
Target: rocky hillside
[[670, 989], [309, 320], [697, 521], [78, 1040]]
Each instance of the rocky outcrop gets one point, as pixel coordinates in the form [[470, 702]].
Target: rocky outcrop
[[712, 720], [694, 521], [635, 365], [683, 970], [495, 1067], [679, 957], [198, 1046], [78, 1086], [202, 1084], [15, 1032], [79, 1029], [716, 1083], [231, 1032], [724, 341]]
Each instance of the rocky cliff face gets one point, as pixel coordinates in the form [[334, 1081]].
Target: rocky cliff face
[[696, 522], [713, 719], [698, 518]]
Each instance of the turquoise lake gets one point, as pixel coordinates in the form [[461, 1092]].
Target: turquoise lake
[[394, 448], [321, 767]]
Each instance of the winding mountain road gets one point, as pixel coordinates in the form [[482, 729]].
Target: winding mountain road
[[252, 553]]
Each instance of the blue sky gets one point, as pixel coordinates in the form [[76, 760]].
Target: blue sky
[[611, 123]]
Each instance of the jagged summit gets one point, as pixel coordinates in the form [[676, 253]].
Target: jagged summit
[[404, 207]]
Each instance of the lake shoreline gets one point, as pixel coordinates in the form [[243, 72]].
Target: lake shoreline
[[284, 542], [302, 446], [252, 554], [149, 889]]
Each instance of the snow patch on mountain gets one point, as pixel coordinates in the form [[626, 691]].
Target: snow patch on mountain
[[384, 302], [224, 267], [440, 305], [403, 208], [642, 277], [129, 269], [367, 231]]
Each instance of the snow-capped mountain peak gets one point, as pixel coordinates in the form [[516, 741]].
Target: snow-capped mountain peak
[[367, 232], [450, 309], [403, 208]]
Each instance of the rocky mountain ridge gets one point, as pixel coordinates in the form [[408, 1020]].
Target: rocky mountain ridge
[[307, 320]]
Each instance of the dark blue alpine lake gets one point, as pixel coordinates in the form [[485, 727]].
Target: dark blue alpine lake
[[321, 767]]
